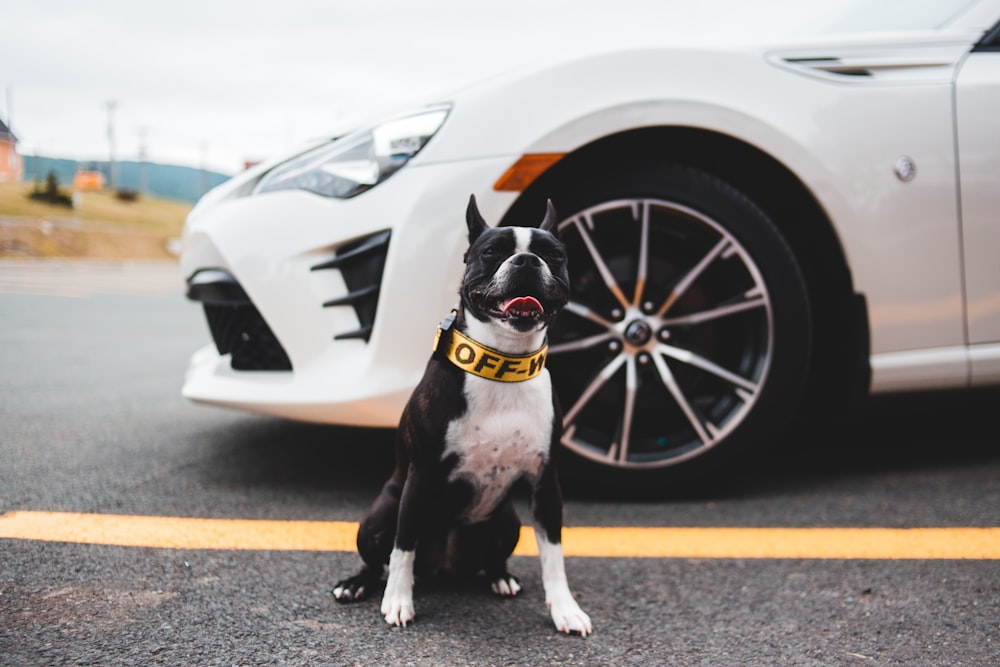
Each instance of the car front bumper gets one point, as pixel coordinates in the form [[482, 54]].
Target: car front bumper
[[281, 251]]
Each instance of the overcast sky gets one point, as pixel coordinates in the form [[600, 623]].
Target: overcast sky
[[205, 82]]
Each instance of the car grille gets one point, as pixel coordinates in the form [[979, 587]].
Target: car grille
[[240, 331], [361, 264], [235, 323]]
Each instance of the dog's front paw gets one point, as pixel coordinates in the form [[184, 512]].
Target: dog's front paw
[[398, 609], [506, 585], [568, 616], [350, 589]]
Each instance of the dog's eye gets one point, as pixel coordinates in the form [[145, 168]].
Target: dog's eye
[[490, 252]]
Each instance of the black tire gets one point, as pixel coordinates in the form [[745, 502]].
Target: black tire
[[671, 369]]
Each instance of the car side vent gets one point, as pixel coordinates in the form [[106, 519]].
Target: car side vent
[[901, 64], [361, 264], [829, 66]]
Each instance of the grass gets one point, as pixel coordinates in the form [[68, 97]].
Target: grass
[[100, 226]]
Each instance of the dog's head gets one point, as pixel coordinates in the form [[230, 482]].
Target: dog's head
[[514, 276]]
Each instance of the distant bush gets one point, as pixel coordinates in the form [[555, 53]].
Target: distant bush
[[50, 193], [127, 194]]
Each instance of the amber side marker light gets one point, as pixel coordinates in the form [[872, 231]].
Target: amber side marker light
[[523, 172]]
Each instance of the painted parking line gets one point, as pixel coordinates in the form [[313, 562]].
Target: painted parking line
[[597, 542], [179, 533]]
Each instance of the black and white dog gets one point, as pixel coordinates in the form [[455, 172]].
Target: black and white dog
[[482, 417]]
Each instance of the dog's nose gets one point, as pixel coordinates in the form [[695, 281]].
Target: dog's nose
[[526, 259]]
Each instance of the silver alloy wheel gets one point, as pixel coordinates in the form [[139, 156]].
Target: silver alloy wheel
[[667, 341]]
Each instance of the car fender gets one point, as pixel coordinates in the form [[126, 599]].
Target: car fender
[[840, 136]]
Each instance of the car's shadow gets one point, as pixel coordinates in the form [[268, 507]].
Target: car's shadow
[[284, 458], [898, 433], [939, 430]]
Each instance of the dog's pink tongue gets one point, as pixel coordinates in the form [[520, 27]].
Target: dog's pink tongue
[[522, 305]]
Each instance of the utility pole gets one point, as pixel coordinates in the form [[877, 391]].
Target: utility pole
[[17, 165], [10, 108], [112, 164], [204, 168], [143, 166]]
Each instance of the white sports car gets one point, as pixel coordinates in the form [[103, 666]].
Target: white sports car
[[752, 233]]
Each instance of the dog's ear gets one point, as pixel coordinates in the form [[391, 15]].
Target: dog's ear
[[550, 220], [474, 220]]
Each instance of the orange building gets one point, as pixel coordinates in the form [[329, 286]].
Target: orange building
[[85, 180], [11, 166]]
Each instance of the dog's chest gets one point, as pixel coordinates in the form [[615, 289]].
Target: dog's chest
[[504, 435]]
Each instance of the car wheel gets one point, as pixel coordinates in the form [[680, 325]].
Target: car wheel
[[686, 340]]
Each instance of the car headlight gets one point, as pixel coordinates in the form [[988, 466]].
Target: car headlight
[[359, 161]]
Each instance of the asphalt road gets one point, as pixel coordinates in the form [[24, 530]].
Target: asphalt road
[[92, 358]]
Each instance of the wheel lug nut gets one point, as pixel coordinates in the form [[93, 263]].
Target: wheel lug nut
[[617, 314], [644, 359], [614, 346], [648, 307]]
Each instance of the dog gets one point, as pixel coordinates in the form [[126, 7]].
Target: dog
[[482, 417]]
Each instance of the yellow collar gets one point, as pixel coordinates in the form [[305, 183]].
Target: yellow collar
[[486, 362]]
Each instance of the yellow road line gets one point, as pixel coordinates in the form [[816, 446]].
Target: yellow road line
[[179, 533], [917, 543], [244, 534]]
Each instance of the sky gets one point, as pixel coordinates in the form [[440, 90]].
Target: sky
[[215, 84]]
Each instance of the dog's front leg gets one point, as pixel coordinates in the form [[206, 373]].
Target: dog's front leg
[[397, 601], [547, 513]]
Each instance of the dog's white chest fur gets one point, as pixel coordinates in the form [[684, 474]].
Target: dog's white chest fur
[[503, 436]]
